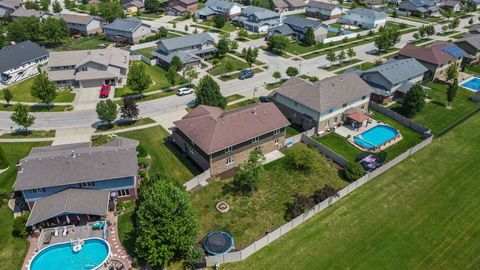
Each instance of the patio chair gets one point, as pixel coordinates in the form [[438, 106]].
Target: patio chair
[[47, 238], [55, 232], [65, 231]]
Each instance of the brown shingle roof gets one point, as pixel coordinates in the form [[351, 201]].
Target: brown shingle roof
[[432, 54], [212, 130], [325, 94]]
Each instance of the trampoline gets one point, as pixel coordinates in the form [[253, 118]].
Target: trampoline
[[218, 243]]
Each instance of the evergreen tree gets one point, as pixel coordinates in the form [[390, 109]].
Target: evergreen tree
[[57, 8], [309, 38], [208, 93], [451, 92], [222, 48]]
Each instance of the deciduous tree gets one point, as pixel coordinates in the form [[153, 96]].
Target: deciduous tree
[[222, 47], [171, 75], [7, 95], [44, 89], [341, 56], [191, 74], [137, 79], [208, 93], [129, 108], [152, 5], [176, 63], [292, 71], [107, 111], [353, 171], [229, 67], [249, 173], [219, 21], [387, 38], [22, 117], [277, 44], [351, 53], [322, 194], [298, 206], [54, 30], [250, 55], [277, 75], [452, 72], [110, 10], [414, 100], [24, 28], [331, 57], [57, 8]]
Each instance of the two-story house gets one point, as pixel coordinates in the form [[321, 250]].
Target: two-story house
[[323, 10], [227, 9], [257, 19], [128, 30], [88, 68], [22, 12], [364, 18], [190, 49], [21, 61], [471, 45], [296, 28], [322, 104], [393, 79], [220, 141], [289, 5], [436, 58], [421, 8], [82, 24], [182, 7], [56, 176]]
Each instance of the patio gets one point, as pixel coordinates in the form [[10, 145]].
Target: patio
[[73, 233]]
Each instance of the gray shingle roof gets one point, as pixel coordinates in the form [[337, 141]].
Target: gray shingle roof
[[325, 94], [301, 22], [70, 201], [128, 24], [322, 5], [260, 13], [377, 15], [283, 29], [77, 163], [397, 71], [175, 43], [23, 12], [77, 19], [15, 55], [473, 40]]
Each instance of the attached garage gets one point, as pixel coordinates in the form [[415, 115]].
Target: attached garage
[[96, 83]]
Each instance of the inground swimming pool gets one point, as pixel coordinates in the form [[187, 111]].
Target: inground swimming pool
[[93, 254], [376, 136], [472, 84]]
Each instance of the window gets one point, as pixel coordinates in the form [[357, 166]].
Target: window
[[327, 123], [123, 192], [277, 141], [259, 148], [363, 107], [230, 160], [228, 149], [364, 97], [87, 184], [344, 105], [276, 132], [192, 151], [38, 190], [256, 139], [335, 119]]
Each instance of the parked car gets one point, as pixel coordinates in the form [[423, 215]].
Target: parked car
[[264, 99], [245, 74], [105, 91], [184, 91]]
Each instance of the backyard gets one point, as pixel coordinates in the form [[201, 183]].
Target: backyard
[[250, 216], [157, 74], [435, 115], [84, 43], [22, 92], [421, 214]]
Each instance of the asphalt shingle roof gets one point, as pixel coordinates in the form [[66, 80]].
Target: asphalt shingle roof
[[322, 5], [473, 40], [397, 71], [260, 13], [366, 12], [434, 54], [302, 22], [175, 43], [14, 56], [128, 24]]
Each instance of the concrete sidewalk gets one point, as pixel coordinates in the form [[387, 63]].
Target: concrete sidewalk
[[73, 135]]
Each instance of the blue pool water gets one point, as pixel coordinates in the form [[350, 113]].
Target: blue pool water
[[472, 84], [61, 256], [375, 136]]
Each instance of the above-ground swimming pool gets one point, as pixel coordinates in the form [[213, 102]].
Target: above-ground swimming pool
[[93, 254], [376, 136], [472, 84]]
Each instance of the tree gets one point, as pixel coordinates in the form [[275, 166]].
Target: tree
[[387, 38], [191, 74], [57, 8], [3, 160], [92, 10], [129, 109], [470, 22], [219, 21], [242, 33], [351, 53], [452, 71], [341, 56], [249, 172], [277, 75], [309, 38], [7, 95], [250, 55], [277, 44], [24, 28], [110, 10], [44, 4], [292, 71], [300, 204], [153, 5], [422, 32], [44, 89], [208, 93], [194, 259], [353, 171], [107, 111], [162, 32], [416, 36], [31, 5], [233, 45], [331, 57], [451, 93], [166, 223], [454, 23], [445, 28], [430, 29], [54, 30], [222, 47], [176, 63], [394, 14], [137, 79], [229, 67], [324, 193], [20, 228], [22, 117], [171, 75], [414, 101], [301, 159]]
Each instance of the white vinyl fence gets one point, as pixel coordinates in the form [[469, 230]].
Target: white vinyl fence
[[198, 181], [298, 138]]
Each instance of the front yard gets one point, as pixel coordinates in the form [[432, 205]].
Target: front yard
[[228, 27], [250, 216], [22, 92], [221, 70]]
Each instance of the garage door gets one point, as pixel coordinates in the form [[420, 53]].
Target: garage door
[[91, 83]]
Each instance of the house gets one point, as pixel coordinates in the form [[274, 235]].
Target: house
[[296, 27], [8, 6], [364, 18], [322, 104], [219, 7], [289, 5], [22, 12], [82, 24], [452, 5], [190, 49], [130, 30], [220, 141], [21, 61], [75, 178], [88, 68], [393, 79], [370, 2], [182, 7], [257, 19], [419, 7], [133, 7], [323, 10], [471, 45], [436, 58]]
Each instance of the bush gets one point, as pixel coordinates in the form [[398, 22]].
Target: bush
[[300, 204], [3, 160], [142, 162], [353, 171], [301, 159], [141, 151], [322, 194], [194, 259], [19, 228], [142, 174]]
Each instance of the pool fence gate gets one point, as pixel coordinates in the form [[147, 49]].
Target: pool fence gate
[[273, 235]]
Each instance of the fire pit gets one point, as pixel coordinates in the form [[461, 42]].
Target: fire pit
[[222, 207]]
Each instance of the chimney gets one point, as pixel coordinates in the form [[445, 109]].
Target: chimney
[[73, 154], [19, 167]]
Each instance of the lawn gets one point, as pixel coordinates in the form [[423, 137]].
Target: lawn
[[435, 114], [250, 216], [12, 249], [292, 131], [22, 92], [158, 77], [166, 159], [220, 69], [228, 27], [84, 43], [275, 85], [29, 134], [342, 65], [147, 52], [37, 108], [362, 66], [234, 97], [124, 125], [340, 145], [422, 214], [240, 104]]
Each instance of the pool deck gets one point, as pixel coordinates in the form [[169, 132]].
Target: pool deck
[[461, 83]]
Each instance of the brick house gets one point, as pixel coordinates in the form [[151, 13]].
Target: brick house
[[219, 140], [182, 7]]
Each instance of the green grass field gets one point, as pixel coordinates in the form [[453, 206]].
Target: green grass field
[[84, 43], [340, 145], [237, 64], [250, 216], [22, 92], [421, 214]]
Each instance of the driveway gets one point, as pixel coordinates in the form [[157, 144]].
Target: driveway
[[87, 98], [73, 135]]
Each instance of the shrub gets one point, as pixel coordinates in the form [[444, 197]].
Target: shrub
[[142, 174], [142, 162], [194, 259], [19, 227], [3, 160], [323, 193], [353, 171], [300, 204], [301, 158], [141, 151]]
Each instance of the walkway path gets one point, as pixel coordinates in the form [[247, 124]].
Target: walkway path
[[73, 135]]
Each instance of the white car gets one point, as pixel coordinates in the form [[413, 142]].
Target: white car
[[184, 91]]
